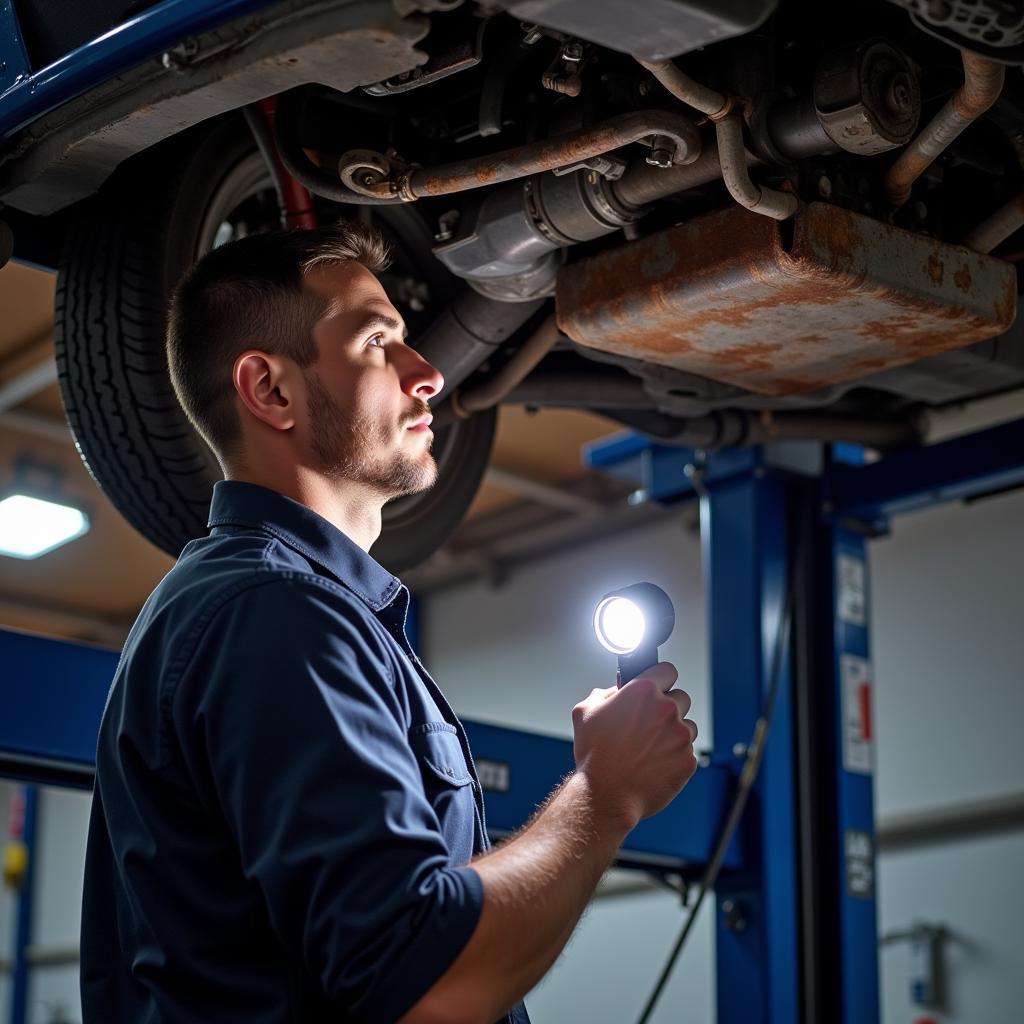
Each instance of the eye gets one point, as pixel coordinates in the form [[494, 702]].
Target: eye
[[376, 341]]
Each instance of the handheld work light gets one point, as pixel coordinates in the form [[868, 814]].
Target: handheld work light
[[632, 623]]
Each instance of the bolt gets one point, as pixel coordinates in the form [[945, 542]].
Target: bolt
[[739, 750], [572, 52], [825, 187], [181, 55], [660, 154]]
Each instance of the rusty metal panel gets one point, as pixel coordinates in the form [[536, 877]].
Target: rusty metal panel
[[735, 297]]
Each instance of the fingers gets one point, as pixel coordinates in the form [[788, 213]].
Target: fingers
[[681, 699], [663, 675], [593, 700]]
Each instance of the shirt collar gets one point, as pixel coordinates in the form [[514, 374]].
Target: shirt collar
[[243, 504]]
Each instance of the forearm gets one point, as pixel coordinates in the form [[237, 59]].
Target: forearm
[[536, 886]]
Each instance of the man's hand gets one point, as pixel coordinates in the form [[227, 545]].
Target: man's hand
[[635, 744]]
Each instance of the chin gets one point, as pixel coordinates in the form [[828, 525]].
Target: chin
[[415, 477]]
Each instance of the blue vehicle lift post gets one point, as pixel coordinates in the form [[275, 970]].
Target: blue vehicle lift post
[[767, 557], [795, 901]]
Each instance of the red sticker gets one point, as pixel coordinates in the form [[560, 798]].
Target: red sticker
[[864, 696]]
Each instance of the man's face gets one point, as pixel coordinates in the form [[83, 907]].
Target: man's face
[[367, 391]]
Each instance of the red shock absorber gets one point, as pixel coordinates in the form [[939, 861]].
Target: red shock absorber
[[298, 202]]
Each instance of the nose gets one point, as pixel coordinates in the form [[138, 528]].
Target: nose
[[419, 378]]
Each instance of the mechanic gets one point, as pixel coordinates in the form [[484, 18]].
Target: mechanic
[[287, 825]]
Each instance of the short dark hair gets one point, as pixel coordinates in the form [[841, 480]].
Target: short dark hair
[[248, 294]]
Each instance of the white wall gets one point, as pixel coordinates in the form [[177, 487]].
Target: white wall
[[63, 822], [948, 650], [948, 636]]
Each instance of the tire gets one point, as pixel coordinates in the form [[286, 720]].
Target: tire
[[120, 261]]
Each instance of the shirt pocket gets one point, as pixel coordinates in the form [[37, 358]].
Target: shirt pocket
[[447, 785], [439, 752]]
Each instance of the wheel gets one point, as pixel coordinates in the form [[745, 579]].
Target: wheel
[[122, 256]]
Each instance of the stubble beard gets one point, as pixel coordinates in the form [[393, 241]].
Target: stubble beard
[[350, 447]]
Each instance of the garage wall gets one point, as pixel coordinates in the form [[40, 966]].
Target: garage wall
[[949, 660], [949, 647]]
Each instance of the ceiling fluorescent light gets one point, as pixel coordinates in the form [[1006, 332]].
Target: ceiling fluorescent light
[[31, 526]]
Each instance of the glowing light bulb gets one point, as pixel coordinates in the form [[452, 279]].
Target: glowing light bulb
[[619, 624], [633, 622]]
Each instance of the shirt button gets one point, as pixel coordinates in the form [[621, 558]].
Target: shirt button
[[451, 772]]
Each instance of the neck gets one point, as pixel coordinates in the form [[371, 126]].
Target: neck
[[350, 506]]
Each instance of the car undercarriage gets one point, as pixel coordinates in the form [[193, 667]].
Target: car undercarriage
[[714, 224]]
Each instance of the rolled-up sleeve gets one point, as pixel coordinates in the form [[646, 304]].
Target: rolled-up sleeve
[[287, 717]]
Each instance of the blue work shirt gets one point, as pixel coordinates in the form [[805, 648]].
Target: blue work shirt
[[285, 804]]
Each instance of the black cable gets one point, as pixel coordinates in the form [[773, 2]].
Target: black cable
[[748, 776]]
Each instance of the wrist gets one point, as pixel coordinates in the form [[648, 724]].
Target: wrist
[[613, 815]]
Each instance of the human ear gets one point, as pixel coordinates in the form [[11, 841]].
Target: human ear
[[263, 384]]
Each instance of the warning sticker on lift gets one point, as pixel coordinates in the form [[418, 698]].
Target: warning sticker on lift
[[851, 583], [857, 732], [860, 864]]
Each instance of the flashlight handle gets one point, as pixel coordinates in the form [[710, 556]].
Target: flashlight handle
[[631, 665]]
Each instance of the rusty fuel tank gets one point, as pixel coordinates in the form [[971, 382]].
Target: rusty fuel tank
[[734, 297]]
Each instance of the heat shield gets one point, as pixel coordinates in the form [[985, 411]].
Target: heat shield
[[780, 309]]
